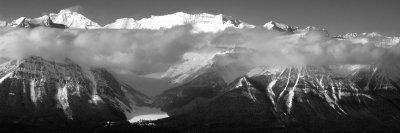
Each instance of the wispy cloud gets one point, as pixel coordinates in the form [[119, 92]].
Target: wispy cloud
[[76, 8]]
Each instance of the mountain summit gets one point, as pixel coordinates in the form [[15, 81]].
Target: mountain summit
[[203, 22], [37, 90], [280, 27], [73, 20], [63, 19]]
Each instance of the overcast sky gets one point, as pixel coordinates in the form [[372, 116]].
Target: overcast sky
[[338, 16]]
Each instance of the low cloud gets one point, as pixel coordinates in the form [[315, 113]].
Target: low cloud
[[150, 51]]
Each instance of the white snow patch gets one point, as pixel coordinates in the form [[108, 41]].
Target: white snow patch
[[145, 113], [265, 70], [33, 93], [5, 77], [62, 97], [96, 99]]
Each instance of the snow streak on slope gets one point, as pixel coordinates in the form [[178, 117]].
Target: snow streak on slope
[[47, 88], [192, 64], [5, 77]]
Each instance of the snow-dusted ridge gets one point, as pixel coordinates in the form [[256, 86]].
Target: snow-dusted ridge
[[76, 92], [271, 25], [373, 37], [65, 18], [203, 22], [73, 20]]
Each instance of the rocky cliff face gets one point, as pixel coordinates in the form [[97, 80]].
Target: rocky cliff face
[[37, 90], [313, 96], [35, 22]]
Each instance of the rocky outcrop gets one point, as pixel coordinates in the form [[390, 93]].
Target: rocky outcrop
[[36, 22], [38, 90], [316, 97]]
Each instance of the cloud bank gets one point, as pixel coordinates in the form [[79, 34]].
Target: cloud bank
[[149, 51]]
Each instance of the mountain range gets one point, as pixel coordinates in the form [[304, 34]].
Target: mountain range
[[203, 22], [201, 94]]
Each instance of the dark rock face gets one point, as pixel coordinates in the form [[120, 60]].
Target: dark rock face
[[37, 90], [314, 97], [235, 22], [205, 86], [318, 97], [32, 23], [283, 27]]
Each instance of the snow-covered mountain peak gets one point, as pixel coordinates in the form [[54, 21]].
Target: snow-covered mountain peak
[[73, 20], [203, 22], [271, 25], [35, 22], [126, 23], [63, 19], [17, 21]]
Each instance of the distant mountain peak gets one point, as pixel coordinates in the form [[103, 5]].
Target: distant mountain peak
[[64, 19], [272, 25], [35, 22], [73, 20], [203, 22]]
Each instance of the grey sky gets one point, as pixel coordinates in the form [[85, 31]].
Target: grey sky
[[338, 16]]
